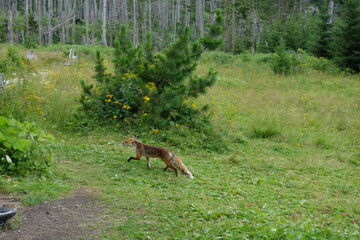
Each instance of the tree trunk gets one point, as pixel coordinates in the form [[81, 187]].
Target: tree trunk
[[103, 33], [39, 21], [10, 27], [86, 19], [94, 14], [331, 7], [150, 21], [135, 24], [200, 17], [176, 17], [73, 15], [187, 12], [233, 23], [61, 19], [27, 19], [124, 12], [50, 10]]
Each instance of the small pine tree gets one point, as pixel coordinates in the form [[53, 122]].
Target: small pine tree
[[284, 62], [155, 87]]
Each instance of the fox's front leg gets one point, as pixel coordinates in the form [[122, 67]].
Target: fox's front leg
[[138, 156], [148, 162]]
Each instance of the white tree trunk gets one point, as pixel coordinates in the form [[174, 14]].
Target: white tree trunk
[[135, 24], [103, 32], [331, 7]]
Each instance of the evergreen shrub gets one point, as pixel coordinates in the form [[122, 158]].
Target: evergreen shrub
[[150, 88], [284, 62]]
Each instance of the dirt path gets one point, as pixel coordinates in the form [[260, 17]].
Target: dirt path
[[70, 218]]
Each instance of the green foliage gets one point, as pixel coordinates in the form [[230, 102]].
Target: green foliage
[[346, 44], [12, 63], [284, 62], [23, 148], [32, 37], [321, 45], [152, 88]]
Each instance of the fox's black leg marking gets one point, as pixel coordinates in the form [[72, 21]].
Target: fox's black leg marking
[[148, 162], [166, 168], [130, 159]]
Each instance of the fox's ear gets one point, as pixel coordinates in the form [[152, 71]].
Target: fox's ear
[[136, 137]]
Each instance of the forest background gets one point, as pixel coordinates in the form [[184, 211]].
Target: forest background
[[251, 25]]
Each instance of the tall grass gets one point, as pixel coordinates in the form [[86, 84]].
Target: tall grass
[[312, 108], [51, 90]]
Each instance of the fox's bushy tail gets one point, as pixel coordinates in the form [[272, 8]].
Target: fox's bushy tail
[[176, 161]]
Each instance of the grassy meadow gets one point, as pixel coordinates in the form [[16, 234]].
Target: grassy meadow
[[290, 168]]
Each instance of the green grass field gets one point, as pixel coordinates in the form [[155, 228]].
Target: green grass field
[[290, 169]]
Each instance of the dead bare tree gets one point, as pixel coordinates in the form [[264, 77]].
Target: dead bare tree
[[103, 29], [135, 23]]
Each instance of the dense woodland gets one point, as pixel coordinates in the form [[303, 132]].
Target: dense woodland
[[250, 25]]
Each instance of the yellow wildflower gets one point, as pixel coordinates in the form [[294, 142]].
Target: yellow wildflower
[[109, 96], [126, 106], [151, 86], [155, 131], [114, 116], [145, 114], [146, 98], [130, 75]]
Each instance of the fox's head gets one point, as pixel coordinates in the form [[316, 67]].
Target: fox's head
[[129, 141]]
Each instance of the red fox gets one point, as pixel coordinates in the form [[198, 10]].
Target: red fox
[[141, 149]]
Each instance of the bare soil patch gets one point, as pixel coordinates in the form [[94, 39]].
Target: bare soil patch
[[73, 217]]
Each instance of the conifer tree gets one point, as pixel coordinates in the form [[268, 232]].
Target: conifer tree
[[153, 87], [346, 42], [321, 46]]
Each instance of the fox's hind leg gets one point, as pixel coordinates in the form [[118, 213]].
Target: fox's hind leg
[[173, 168]]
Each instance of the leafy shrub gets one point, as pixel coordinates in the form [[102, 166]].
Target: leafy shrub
[[284, 62], [23, 148], [152, 88], [323, 64]]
